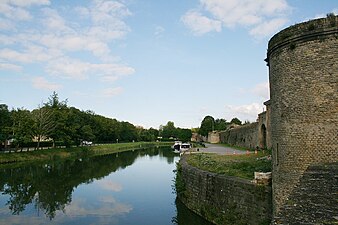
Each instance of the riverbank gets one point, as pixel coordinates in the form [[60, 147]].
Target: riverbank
[[74, 152], [220, 198], [243, 165]]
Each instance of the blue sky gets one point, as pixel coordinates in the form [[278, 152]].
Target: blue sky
[[145, 61]]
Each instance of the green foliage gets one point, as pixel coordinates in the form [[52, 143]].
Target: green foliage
[[236, 121], [242, 166], [221, 124], [180, 187], [69, 126], [170, 131], [5, 123], [207, 125]]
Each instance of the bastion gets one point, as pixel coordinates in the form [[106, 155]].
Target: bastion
[[303, 74]]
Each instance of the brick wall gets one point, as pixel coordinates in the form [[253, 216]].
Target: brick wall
[[303, 73]]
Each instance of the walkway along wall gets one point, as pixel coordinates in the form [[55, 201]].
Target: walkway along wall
[[303, 73], [223, 199]]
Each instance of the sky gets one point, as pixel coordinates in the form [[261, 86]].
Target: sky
[[145, 61]]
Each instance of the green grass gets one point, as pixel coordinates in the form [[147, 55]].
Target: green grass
[[63, 153], [242, 166], [235, 147]]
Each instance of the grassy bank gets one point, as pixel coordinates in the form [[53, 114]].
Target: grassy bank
[[63, 153], [242, 166]]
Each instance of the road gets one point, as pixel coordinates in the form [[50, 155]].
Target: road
[[222, 150]]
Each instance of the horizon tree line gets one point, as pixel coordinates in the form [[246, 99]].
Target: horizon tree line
[[54, 123]]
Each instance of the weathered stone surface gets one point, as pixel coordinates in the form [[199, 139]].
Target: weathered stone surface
[[303, 73], [251, 136], [315, 198], [224, 199]]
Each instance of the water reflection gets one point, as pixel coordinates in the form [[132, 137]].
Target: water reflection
[[93, 190], [49, 186]]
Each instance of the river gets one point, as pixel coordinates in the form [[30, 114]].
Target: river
[[134, 187]]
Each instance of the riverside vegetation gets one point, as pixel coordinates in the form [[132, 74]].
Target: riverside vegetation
[[76, 152], [242, 166]]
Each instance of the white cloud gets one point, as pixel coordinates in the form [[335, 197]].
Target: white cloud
[[15, 9], [200, 24], [244, 112], [14, 13], [267, 27], [77, 69], [26, 3], [42, 83], [12, 67], [110, 185], [6, 24], [109, 206], [110, 92], [251, 14], [31, 54], [53, 38], [261, 90], [54, 22]]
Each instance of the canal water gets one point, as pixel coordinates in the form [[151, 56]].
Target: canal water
[[134, 187]]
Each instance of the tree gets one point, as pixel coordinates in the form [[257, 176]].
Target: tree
[[59, 113], [22, 126], [169, 130], [55, 103], [236, 121], [183, 134], [5, 124], [43, 124], [220, 124], [207, 125]]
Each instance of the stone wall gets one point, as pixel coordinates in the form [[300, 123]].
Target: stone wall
[[252, 135], [223, 199], [303, 73], [213, 137], [244, 136], [314, 199]]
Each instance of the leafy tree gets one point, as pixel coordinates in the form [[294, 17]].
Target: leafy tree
[[5, 123], [128, 132], [183, 134], [207, 125], [59, 111], [55, 103], [169, 130], [236, 121], [22, 126], [220, 124], [43, 124]]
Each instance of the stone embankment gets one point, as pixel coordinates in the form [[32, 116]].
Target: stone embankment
[[223, 199]]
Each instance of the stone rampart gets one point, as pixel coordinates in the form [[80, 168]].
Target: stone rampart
[[303, 74], [314, 200], [244, 136], [223, 199]]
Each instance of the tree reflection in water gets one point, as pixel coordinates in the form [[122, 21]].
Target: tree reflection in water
[[49, 186]]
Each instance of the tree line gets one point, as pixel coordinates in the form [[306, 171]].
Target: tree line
[[210, 124], [55, 123]]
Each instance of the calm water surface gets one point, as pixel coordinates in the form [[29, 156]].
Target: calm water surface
[[126, 188]]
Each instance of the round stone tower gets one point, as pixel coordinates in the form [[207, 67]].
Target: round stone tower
[[303, 73]]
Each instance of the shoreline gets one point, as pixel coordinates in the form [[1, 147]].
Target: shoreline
[[73, 152]]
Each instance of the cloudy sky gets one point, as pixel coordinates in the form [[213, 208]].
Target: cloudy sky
[[145, 61]]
